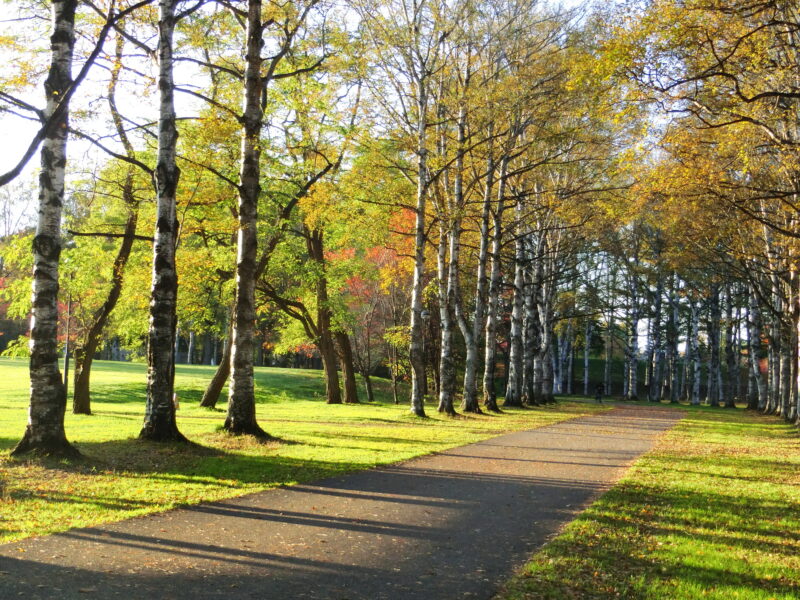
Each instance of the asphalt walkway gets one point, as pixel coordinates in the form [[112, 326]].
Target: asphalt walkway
[[447, 526]]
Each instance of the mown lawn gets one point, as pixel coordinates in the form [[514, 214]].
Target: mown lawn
[[121, 477], [712, 512]]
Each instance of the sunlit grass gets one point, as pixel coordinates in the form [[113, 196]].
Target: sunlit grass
[[121, 477], [712, 512]]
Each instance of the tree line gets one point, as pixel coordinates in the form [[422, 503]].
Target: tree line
[[441, 188]]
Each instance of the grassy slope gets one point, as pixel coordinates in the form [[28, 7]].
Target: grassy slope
[[122, 477], [712, 512]]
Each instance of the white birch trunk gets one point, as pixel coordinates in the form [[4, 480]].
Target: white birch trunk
[[44, 433], [493, 295], [241, 416], [159, 419]]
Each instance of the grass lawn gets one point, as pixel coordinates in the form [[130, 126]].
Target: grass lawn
[[712, 512], [121, 477]]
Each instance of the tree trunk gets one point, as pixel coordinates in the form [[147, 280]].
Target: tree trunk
[[632, 351], [513, 395], [654, 387], [159, 417], [241, 417], [214, 389], [758, 399], [530, 340], [587, 343], [348, 370], [731, 364], [570, 364], [190, 349], [694, 353], [416, 346], [669, 388], [472, 330], [44, 433], [493, 296], [368, 386], [84, 352], [447, 367], [713, 328]]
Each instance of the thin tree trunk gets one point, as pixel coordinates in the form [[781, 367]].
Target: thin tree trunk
[[513, 395], [694, 353], [713, 375], [493, 295], [217, 383], [446, 272], [609, 341], [530, 340], [587, 343], [84, 351], [368, 386], [348, 370], [416, 346], [632, 351], [654, 389], [731, 364], [44, 433], [472, 330]]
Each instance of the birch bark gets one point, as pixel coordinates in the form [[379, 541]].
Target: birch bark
[[493, 295], [159, 417], [45, 429], [513, 395], [241, 417]]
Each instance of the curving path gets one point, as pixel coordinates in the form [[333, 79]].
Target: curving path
[[446, 526]]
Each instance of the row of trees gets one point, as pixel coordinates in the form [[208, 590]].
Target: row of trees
[[423, 184]]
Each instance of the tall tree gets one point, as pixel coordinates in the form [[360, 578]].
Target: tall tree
[[241, 416], [159, 418], [45, 430]]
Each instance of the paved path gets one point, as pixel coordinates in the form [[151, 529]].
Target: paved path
[[452, 525]]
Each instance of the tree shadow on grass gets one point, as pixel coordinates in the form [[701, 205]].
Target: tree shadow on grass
[[620, 547]]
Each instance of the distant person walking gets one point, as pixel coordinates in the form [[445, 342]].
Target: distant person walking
[[598, 393]]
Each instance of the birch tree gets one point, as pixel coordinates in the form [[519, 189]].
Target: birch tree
[[159, 419], [45, 430]]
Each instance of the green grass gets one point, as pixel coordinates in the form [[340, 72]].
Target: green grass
[[121, 477], [712, 512]]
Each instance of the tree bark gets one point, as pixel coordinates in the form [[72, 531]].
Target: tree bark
[[416, 346], [493, 295], [44, 433], [654, 387], [714, 376], [587, 344], [731, 364], [530, 339], [324, 333], [84, 352], [694, 353], [368, 386], [241, 417], [217, 383], [159, 418], [513, 395], [348, 370]]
